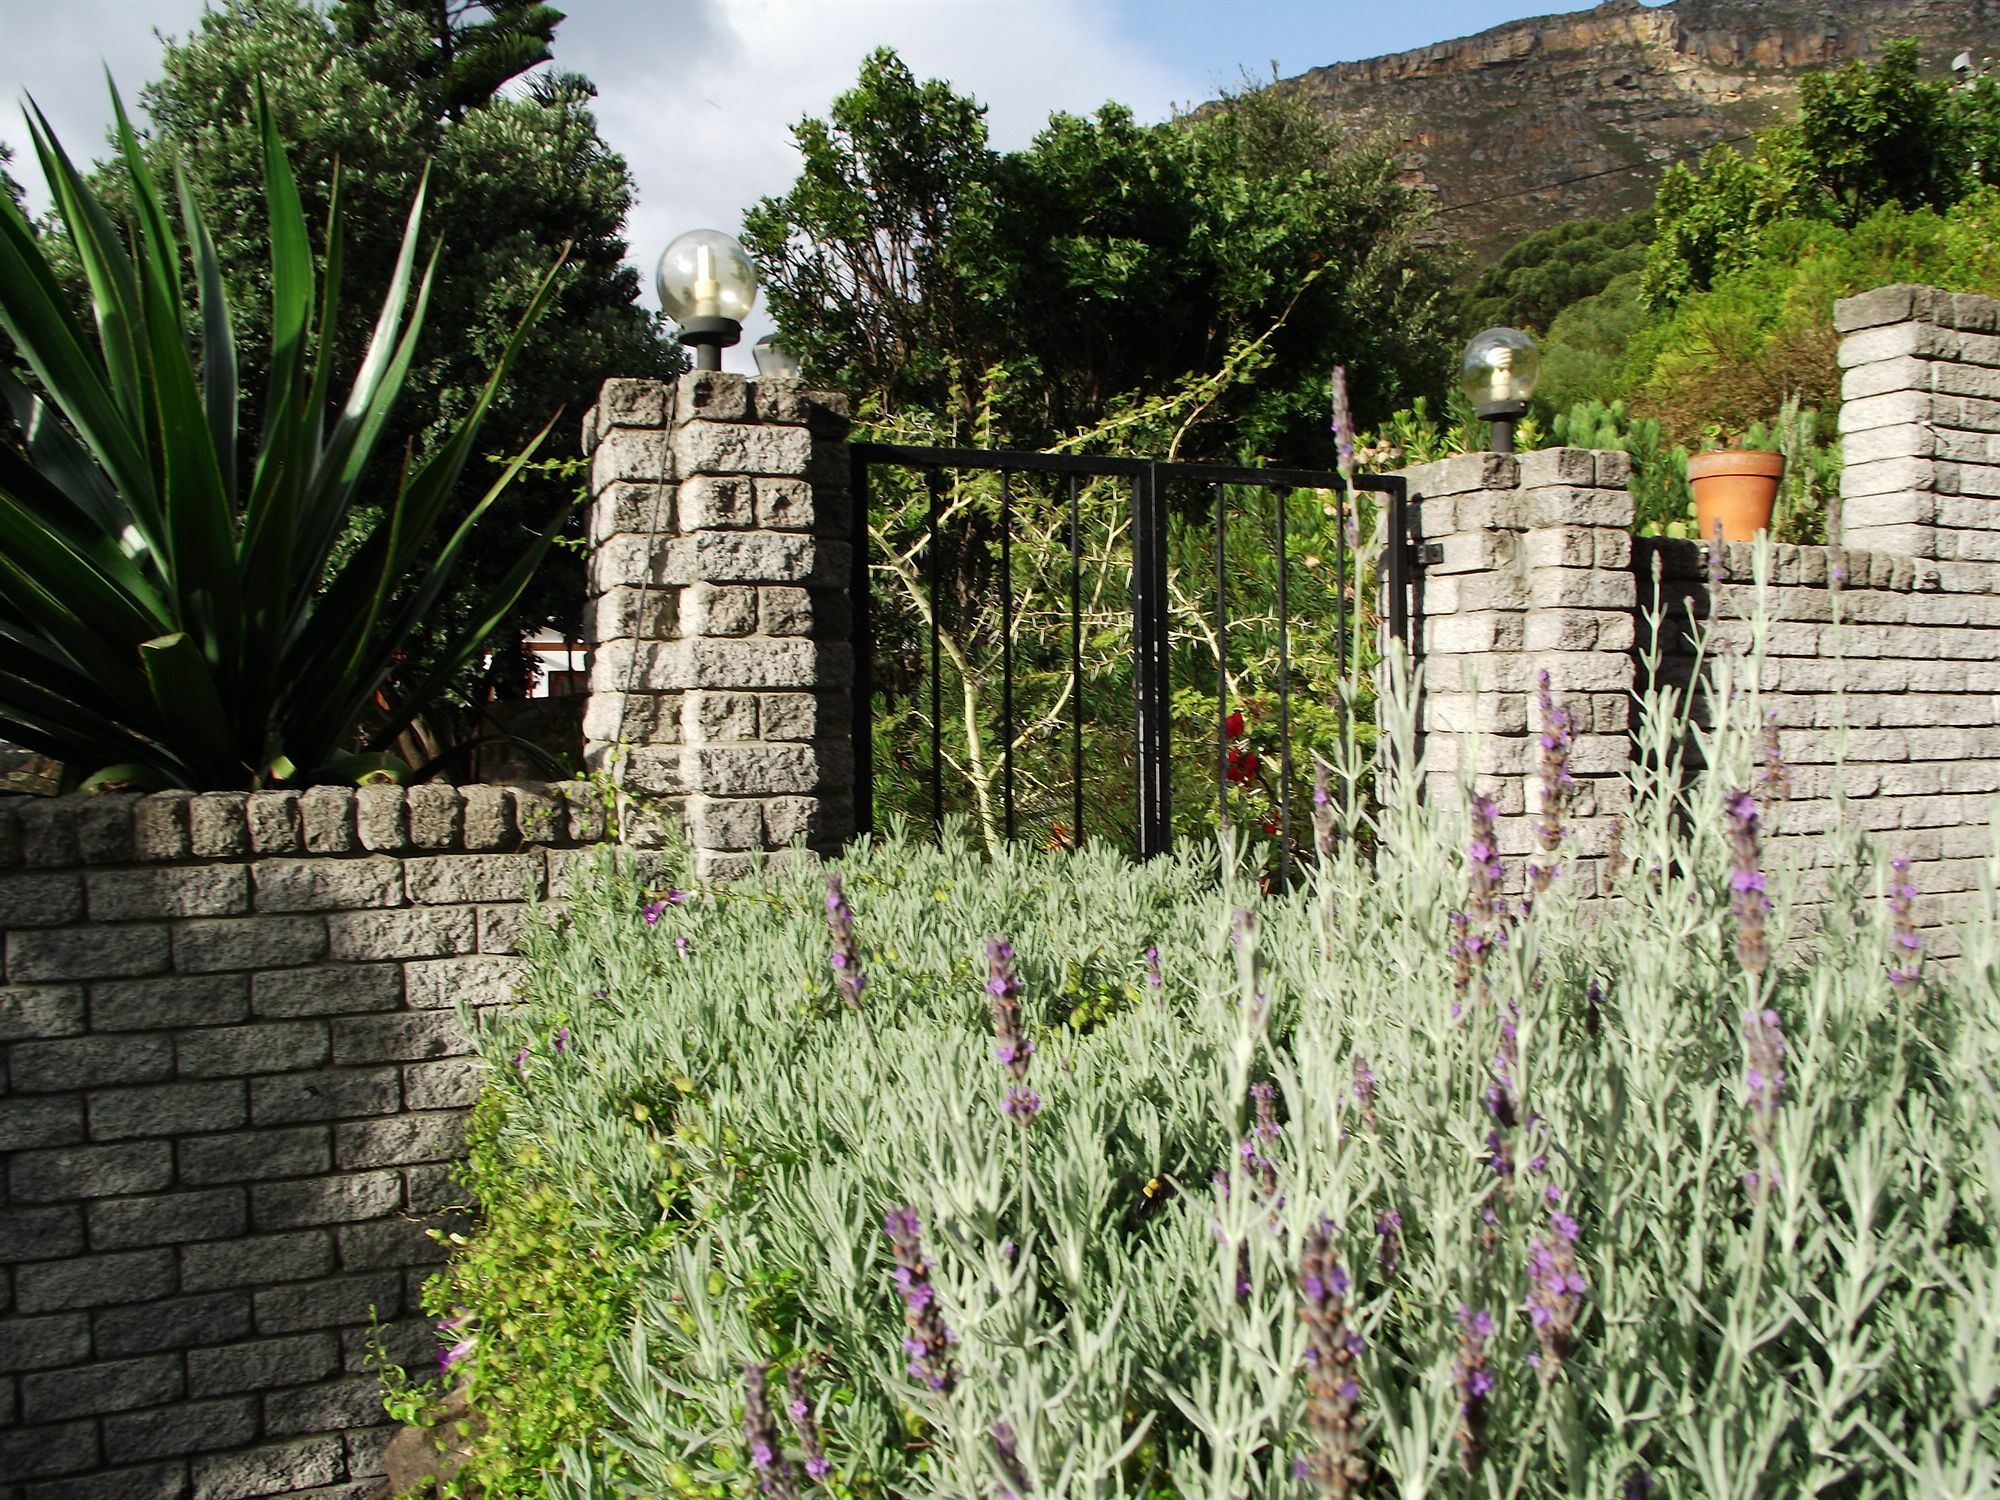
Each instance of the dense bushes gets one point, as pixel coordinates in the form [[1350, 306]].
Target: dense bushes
[[1393, 1176]]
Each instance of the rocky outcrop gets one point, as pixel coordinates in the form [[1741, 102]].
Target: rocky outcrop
[[1576, 115]]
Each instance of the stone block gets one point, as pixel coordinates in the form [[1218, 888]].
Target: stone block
[[489, 817], [721, 448], [401, 1037], [93, 952], [1614, 468], [257, 1260], [625, 610], [708, 717], [785, 505], [29, 1123], [632, 403], [434, 816], [1573, 505], [337, 1301], [717, 395], [538, 815], [41, 899], [418, 932], [783, 610], [632, 510], [275, 822], [217, 944], [254, 1156], [260, 1047], [167, 1219], [104, 828], [263, 1364], [502, 928], [585, 810], [167, 1109], [718, 609], [105, 1386], [325, 1200], [400, 1140], [86, 1062], [154, 1004], [1462, 474], [82, 1281], [381, 819], [90, 1171], [44, 1343], [38, 1452], [217, 825], [791, 818], [190, 1427], [453, 879], [212, 890], [487, 979], [172, 1323], [321, 884], [160, 826], [355, 1401], [30, 1012], [725, 823], [1547, 466], [790, 716], [332, 990], [758, 663], [449, 1083], [1880, 444], [326, 816], [746, 557], [714, 502], [383, 1243], [328, 1094], [1883, 305], [755, 770], [47, 831], [632, 455]]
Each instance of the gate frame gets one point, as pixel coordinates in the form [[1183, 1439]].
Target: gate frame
[[1150, 623]]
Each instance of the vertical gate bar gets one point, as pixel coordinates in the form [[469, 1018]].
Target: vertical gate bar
[[1221, 666], [934, 569], [1343, 499], [1399, 564], [1162, 781], [1075, 665], [864, 658], [1007, 648], [1142, 717], [1284, 499]]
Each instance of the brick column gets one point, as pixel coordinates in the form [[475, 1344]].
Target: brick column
[[718, 616], [1536, 575], [1920, 423]]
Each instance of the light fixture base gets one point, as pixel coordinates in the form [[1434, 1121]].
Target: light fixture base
[[1502, 415], [708, 337]]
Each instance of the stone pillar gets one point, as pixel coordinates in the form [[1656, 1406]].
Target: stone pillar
[[1535, 575], [718, 618], [1920, 423]]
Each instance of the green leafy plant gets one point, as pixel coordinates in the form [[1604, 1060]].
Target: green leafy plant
[[174, 602]]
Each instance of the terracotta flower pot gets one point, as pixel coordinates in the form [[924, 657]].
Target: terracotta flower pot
[[1737, 489]]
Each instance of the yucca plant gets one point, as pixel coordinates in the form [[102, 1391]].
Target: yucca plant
[[171, 604]]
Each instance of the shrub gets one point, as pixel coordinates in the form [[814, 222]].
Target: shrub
[[1394, 1175]]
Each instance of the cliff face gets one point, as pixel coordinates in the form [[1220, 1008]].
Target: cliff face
[[1503, 124]]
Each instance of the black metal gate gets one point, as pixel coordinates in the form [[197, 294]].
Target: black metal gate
[[1153, 486]]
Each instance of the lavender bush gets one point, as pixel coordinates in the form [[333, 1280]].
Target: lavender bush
[[1398, 1185]]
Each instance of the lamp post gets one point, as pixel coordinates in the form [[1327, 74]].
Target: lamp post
[[1498, 372], [707, 284], [774, 360]]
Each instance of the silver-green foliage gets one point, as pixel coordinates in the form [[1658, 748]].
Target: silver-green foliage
[[1135, 1325]]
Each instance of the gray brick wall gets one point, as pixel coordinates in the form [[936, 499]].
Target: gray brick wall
[[232, 1081]]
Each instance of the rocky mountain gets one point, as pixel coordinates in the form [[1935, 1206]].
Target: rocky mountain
[[1575, 116]]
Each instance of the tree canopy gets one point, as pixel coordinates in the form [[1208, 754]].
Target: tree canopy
[[915, 265]]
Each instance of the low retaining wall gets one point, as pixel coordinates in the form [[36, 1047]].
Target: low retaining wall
[[235, 1086]]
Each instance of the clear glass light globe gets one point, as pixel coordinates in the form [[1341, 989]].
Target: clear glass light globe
[[774, 360], [1499, 364], [706, 274]]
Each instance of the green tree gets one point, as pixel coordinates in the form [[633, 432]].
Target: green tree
[[385, 87], [1555, 268], [1108, 262]]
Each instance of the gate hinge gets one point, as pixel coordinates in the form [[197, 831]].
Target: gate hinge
[[1423, 554]]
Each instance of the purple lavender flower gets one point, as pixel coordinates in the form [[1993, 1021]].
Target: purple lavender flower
[[1256, 1157], [1012, 1045], [1325, 834], [1332, 1352], [1483, 859], [682, 946], [1364, 1089], [1555, 1293], [652, 911], [1774, 777], [1763, 1074], [521, 1062], [465, 1343], [1748, 902], [1343, 429], [928, 1342], [561, 1043], [1558, 731], [1904, 939], [1638, 1486], [1155, 976], [805, 1425], [848, 977], [1389, 1250], [1474, 1382], [1715, 565], [1593, 1007], [760, 1437], [1014, 1481]]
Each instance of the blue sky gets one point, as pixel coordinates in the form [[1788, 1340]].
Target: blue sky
[[699, 94]]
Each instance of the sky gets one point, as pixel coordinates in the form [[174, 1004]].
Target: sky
[[699, 95]]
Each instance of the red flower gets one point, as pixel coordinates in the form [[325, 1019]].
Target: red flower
[[1233, 726], [1242, 765], [1271, 825]]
